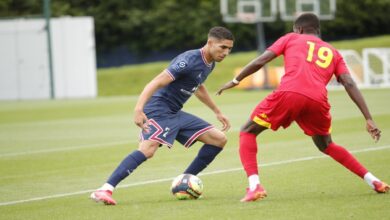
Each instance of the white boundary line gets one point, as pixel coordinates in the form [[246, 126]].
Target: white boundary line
[[133, 141], [66, 148], [69, 148], [204, 174]]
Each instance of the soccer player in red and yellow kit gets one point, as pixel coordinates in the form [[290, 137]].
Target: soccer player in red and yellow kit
[[302, 97]]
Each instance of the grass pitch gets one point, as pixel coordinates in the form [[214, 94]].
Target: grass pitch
[[54, 153]]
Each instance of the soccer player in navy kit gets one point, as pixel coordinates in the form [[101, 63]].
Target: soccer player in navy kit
[[158, 112]]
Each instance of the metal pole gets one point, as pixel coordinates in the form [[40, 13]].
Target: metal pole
[[47, 13], [261, 37], [261, 46]]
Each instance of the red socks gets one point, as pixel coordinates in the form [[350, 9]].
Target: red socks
[[248, 153], [248, 156], [345, 158]]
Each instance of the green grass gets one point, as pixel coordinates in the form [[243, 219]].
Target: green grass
[[130, 80], [64, 149], [361, 43]]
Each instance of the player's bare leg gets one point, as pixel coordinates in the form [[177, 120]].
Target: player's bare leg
[[248, 156], [146, 150], [341, 155]]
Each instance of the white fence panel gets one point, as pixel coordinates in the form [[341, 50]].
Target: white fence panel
[[24, 66]]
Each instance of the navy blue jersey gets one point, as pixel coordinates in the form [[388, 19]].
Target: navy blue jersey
[[188, 70]]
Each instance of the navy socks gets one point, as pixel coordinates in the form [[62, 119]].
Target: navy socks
[[206, 154], [127, 166]]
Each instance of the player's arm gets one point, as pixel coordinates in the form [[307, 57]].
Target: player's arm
[[203, 95], [158, 82], [249, 69], [355, 94]]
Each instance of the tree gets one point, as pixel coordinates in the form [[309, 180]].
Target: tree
[[144, 26]]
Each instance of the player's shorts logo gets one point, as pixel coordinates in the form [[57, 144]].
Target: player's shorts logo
[[263, 115], [166, 132]]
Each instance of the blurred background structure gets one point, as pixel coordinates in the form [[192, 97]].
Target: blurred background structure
[[259, 12], [25, 70], [130, 32]]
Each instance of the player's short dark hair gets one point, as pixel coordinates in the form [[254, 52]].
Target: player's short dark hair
[[308, 21], [220, 33]]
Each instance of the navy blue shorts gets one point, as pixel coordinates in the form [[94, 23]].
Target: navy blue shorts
[[181, 126]]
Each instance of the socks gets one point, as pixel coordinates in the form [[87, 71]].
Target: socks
[[345, 158], [106, 187], [254, 180], [248, 153], [205, 155], [127, 166], [369, 178]]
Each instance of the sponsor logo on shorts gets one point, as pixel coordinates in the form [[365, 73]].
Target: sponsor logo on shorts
[[263, 115]]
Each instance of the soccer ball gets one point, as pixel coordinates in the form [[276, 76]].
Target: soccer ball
[[187, 186]]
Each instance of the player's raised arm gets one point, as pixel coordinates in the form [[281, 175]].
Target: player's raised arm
[[158, 82], [203, 95], [355, 94], [249, 69]]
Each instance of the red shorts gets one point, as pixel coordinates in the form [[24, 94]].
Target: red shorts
[[282, 108]]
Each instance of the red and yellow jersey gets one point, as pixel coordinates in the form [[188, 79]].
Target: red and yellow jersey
[[309, 64]]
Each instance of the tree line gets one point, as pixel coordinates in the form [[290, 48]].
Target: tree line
[[144, 26]]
